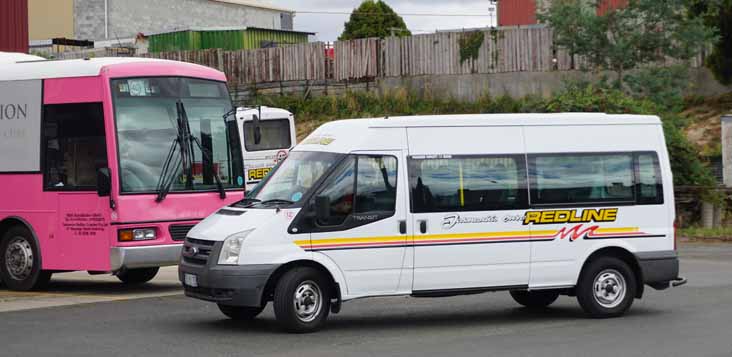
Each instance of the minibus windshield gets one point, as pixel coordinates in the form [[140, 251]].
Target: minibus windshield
[[293, 178], [147, 112]]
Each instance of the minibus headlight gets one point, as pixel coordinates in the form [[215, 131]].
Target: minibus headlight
[[137, 234], [232, 248]]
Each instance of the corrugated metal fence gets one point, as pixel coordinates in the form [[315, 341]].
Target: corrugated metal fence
[[528, 49]]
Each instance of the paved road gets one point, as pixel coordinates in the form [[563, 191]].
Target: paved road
[[693, 320]]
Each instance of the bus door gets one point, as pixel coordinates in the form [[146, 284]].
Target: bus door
[[74, 150]]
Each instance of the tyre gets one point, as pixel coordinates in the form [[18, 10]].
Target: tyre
[[137, 276], [240, 313], [535, 299], [20, 261], [302, 300], [606, 288]]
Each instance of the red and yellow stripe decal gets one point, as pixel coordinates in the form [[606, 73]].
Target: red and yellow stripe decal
[[574, 233]]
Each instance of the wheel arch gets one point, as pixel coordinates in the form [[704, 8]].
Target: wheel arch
[[622, 254], [12, 221], [268, 291]]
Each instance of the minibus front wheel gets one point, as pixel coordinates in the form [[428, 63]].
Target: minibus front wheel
[[240, 313], [302, 300]]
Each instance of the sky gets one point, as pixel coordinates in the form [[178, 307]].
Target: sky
[[329, 27]]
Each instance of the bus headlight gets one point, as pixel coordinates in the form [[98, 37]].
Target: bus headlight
[[231, 249]]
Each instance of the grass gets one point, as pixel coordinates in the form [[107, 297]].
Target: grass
[[706, 233]]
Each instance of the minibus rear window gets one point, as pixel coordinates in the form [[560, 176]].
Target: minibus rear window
[[581, 178]]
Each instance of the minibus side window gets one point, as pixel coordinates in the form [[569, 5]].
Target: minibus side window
[[581, 178], [339, 190], [469, 183], [650, 187], [362, 186], [74, 146]]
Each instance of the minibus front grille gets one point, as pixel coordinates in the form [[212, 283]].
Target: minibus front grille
[[178, 232], [197, 251]]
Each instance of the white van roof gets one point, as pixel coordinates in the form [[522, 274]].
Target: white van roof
[[364, 134], [64, 68]]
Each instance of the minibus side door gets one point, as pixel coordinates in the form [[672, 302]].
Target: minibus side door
[[362, 224], [468, 195]]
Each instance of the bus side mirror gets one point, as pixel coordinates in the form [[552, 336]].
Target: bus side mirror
[[322, 208], [104, 182]]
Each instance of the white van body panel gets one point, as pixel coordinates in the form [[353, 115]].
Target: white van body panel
[[456, 250]]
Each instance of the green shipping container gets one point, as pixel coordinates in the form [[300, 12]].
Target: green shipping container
[[228, 39]]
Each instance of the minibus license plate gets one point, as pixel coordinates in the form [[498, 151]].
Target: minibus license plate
[[191, 280]]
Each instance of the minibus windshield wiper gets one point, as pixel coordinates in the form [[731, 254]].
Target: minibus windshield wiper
[[246, 202], [277, 201]]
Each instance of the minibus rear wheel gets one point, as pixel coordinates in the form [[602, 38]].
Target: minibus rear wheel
[[240, 313], [535, 299], [20, 261], [137, 276], [302, 300], [606, 288]]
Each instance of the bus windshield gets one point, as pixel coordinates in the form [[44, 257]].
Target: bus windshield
[[295, 176], [147, 114]]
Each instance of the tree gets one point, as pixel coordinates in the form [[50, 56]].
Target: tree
[[717, 13], [374, 19], [622, 39]]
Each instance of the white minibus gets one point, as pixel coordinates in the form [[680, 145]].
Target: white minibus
[[267, 135], [539, 205]]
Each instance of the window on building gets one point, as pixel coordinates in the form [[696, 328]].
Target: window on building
[[467, 183], [74, 145], [650, 186], [581, 178]]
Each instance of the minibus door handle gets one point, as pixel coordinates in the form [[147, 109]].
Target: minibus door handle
[[423, 227], [402, 227]]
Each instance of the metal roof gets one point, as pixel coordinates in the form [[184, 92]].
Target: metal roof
[[257, 4], [226, 28]]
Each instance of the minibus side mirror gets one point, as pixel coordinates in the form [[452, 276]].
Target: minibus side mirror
[[104, 182], [322, 208], [257, 129]]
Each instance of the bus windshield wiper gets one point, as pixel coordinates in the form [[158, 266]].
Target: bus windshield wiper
[[206, 153]]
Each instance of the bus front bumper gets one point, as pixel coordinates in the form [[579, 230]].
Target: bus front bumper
[[144, 257]]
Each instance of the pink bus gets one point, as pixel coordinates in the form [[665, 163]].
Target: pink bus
[[106, 164]]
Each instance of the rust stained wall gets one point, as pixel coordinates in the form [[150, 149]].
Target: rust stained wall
[[14, 26], [516, 12], [607, 5]]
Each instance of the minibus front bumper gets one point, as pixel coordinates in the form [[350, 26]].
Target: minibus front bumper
[[144, 257], [660, 269], [236, 285]]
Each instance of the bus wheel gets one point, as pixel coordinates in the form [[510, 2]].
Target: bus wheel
[[302, 300], [606, 287], [20, 261], [535, 299], [240, 313], [137, 276]]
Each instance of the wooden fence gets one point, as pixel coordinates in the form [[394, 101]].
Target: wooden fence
[[505, 50]]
